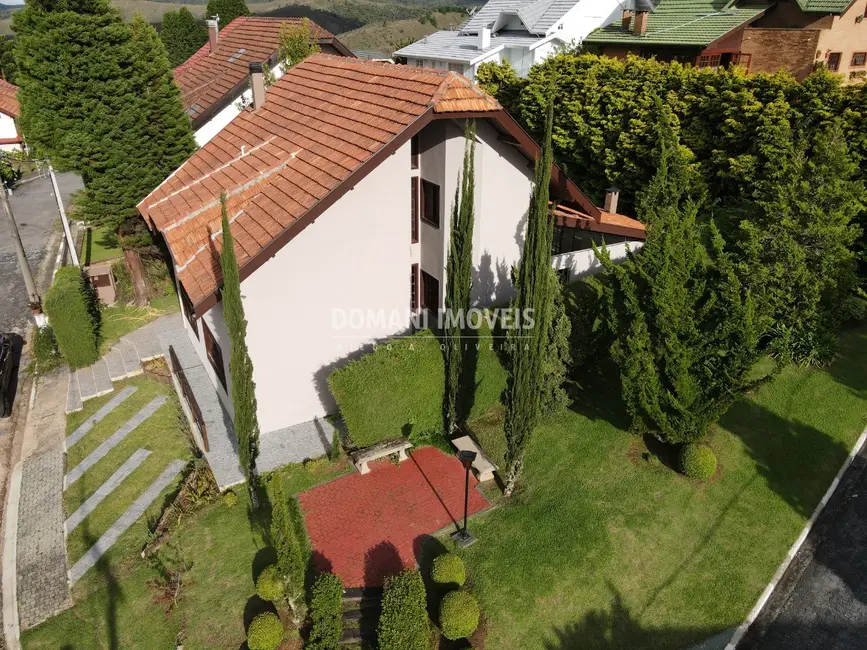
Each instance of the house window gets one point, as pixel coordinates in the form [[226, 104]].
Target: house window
[[413, 287], [859, 59], [456, 67], [569, 240], [430, 203], [430, 292], [215, 354], [414, 209], [187, 307], [723, 59], [834, 61], [413, 152]]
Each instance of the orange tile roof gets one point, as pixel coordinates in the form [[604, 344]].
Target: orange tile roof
[[321, 122], [206, 79], [9, 99]]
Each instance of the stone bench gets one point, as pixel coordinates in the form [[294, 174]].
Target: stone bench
[[482, 465], [381, 450]]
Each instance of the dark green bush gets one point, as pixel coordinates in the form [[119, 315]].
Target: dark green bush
[[269, 585], [46, 356], [71, 308], [326, 613], [697, 461], [265, 632], [122, 282], [459, 615], [404, 622], [448, 569]]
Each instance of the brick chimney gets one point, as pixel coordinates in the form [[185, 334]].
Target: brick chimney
[[612, 194], [626, 25], [257, 83], [639, 28], [484, 38], [213, 33]]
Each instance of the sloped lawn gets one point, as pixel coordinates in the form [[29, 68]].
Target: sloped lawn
[[605, 548]]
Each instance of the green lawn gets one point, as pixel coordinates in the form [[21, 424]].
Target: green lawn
[[99, 244], [119, 320], [223, 546], [606, 549]]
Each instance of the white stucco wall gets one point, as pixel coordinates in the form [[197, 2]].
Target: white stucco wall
[[583, 263], [586, 16], [8, 132], [356, 255]]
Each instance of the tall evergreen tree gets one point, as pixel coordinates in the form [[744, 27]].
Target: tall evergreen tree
[[686, 333], [182, 35], [528, 345], [284, 536], [8, 66], [240, 364], [227, 10], [459, 269], [297, 42]]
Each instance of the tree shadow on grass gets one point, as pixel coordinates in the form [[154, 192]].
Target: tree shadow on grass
[[618, 628], [596, 394], [114, 595], [850, 369], [796, 460]]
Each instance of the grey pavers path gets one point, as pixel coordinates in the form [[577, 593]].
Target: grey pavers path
[[112, 404], [100, 452], [126, 520], [131, 464], [41, 562]]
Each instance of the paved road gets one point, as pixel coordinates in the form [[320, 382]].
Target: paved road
[[35, 211], [821, 602]]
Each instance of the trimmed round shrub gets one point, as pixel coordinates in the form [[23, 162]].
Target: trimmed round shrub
[[265, 632], [269, 585], [230, 499], [73, 312], [404, 621], [697, 461], [459, 615], [448, 569]]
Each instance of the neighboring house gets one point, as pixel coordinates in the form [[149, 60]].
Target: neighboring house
[[340, 182], [522, 32], [10, 136], [793, 35], [214, 82]]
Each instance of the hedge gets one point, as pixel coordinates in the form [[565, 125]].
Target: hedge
[[448, 569], [398, 389], [326, 613], [697, 461], [265, 632], [459, 615], [403, 624], [71, 307]]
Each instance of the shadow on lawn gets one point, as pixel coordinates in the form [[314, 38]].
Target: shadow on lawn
[[797, 461], [114, 593], [618, 627], [849, 368], [597, 395]]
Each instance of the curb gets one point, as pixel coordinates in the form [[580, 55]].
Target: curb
[[11, 628], [796, 546]]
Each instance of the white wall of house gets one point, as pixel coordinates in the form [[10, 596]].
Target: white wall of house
[[217, 324], [354, 256], [586, 16], [583, 263], [8, 131]]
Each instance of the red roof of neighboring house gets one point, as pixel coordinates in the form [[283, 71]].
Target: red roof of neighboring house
[[325, 125], [210, 80], [9, 99]]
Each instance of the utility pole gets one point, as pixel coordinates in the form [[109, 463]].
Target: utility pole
[[29, 283], [70, 242]]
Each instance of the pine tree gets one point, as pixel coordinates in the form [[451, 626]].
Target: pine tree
[[240, 365], [182, 35], [297, 42], [459, 268], [686, 333], [227, 10], [528, 344]]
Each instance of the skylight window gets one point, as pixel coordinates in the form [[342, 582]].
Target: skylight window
[[237, 55]]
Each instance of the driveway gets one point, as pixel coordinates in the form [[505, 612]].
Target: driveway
[[821, 601], [35, 210]]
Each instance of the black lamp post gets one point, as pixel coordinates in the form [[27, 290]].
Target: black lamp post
[[462, 538]]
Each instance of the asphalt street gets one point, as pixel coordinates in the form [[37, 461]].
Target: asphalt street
[[35, 210]]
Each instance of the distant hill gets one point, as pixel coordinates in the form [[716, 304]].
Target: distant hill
[[389, 36]]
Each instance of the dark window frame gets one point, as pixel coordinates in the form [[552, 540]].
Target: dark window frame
[[862, 55], [430, 202], [189, 314], [430, 292], [215, 355], [413, 287], [839, 59], [413, 152], [414, 194]]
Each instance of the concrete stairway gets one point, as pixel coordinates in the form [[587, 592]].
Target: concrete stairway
[[361, 610]]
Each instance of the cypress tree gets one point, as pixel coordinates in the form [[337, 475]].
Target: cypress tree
[[686, 333], [534, 296], [290, 561], [227, 10], [240, 364], [182, 35], [459, 268]]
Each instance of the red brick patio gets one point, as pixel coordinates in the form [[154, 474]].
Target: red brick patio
[[365, 527]]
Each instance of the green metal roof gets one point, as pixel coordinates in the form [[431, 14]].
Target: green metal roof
[[686, 22], [825, 6]]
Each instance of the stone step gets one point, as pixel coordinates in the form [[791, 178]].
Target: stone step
[[97, 417], [130, 358], [101, 378], [366, 617], [73, 397], [148, 347], [114, 361], [364, 596], [86, 384], [356, 636]]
